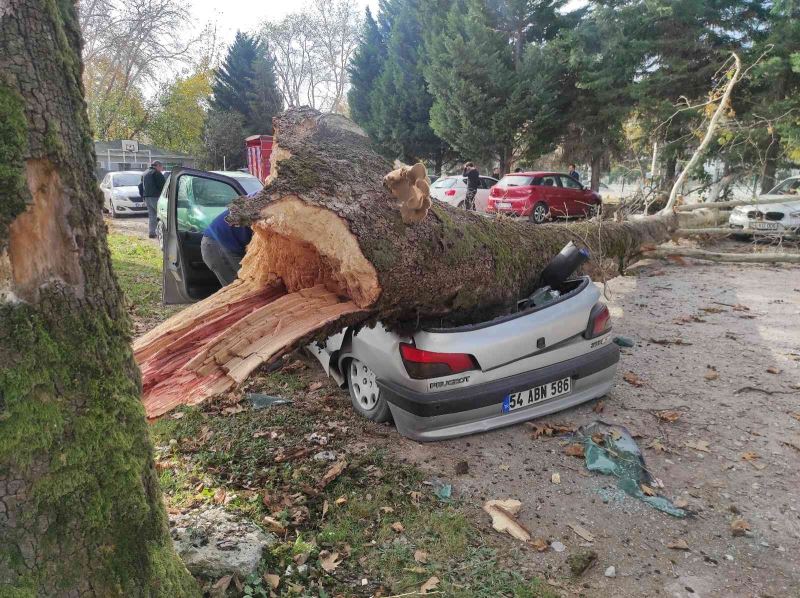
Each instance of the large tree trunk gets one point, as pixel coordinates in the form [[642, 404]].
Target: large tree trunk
[[770, 164], [81, 512], [596, 166], [330, 248]]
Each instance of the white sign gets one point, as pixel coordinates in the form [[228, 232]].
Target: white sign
[[128, 145]]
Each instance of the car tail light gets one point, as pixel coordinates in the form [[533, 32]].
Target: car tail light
[[599, 321], [427, 364], [495, 192], [450, 192]]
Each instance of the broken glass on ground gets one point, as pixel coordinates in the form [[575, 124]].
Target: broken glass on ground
[[259, 400], [611, 450]]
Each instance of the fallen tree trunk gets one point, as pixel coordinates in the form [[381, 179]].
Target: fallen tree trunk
[[725, 232], [330, 248], [750, 258]]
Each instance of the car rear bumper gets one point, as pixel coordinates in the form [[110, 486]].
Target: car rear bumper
[[447, 414]]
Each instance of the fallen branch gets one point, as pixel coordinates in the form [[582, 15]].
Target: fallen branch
[[724, 205], [748, 258], [724, 232], [712, 127]]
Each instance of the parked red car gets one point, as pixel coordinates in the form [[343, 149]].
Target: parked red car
[[541, 196]]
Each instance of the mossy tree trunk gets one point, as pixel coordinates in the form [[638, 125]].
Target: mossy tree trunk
[[81, 512]]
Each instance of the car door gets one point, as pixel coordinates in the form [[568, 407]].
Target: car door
[[185, 277], [482, 196], [574, 196], [549, 190]]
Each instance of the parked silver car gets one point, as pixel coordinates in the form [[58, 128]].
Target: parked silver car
[[780, 217], [121, 193], [447, 382]]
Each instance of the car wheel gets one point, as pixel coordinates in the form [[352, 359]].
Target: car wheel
[[593, 210], [112, 209], [539, 213], [160, 234], [364, 392]]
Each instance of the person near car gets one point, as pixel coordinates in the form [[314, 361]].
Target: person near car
[[151, 186], [496, 174], [223, 247], [517, 169], [473, 183], [573, 172]]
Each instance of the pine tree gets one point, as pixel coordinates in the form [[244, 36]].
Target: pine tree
[[364, 70], [246, 84]]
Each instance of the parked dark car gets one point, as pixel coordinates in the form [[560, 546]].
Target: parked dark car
[[541, 196]]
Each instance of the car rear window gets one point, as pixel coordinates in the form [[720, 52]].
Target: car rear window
[[126, 180], [515, 180], [250, 183], [444, 183]]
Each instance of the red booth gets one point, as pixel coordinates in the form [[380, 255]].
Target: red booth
[[259, 148]]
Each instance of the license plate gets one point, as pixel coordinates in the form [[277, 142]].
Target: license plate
[[764, 225], [503, 204], [537, 394]]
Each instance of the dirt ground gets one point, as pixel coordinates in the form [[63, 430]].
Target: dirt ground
[[739, 324]]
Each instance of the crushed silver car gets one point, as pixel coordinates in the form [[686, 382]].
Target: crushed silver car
[[553, 353]]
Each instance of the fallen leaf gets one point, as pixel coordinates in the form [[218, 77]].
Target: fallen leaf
[[398, 527], [681, 503], [656, 445], [324, 508], [297, 452], [502, 513], [222, 584], [421, 556], [334, 471], [598, 438], [556, 478], [739, 527], [429, 585], [329, 560], [340, 501], [581, 531], [574, 450], [387, 509], [540, 544], [647, 490], [273, 525], [504, 467], [749, 456], [272, 580], [616, 434], [300, 559], [632, 379], [773, 370], [417, 569], [219, 496], [678, 545], [795, 415], [598, 407], [712, 310], [698, 445], [416, 497], [669, 416], [711, 374]]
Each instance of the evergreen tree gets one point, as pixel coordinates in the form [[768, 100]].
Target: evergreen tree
[[364, 70], [246, 84]]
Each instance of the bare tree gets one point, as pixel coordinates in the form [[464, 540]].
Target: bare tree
[[127, 43], [312, 49]]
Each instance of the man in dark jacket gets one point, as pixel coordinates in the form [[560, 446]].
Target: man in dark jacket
[[573, 172], [473, 183], [223, 247], [152, 184]]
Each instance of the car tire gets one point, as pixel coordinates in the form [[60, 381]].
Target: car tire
[[539, 213], [160, 234], [364, 392], [112, 209], [593, 210]]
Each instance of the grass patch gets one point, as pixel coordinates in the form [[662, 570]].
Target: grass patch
[[377, 514], [137, 264]]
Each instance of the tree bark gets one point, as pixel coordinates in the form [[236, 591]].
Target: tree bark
[[81, 512], [330, 248], [770, 164], [596, 165]]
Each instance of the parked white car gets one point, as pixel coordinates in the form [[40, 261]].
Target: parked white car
[[453, 190], [783, 216], [121, 193]]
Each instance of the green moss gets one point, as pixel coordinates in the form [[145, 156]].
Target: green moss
[[71, 406], [13, 149]]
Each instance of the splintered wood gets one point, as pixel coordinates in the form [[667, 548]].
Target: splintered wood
[[220, 341]]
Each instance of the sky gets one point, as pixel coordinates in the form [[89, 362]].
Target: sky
[[247, 15]]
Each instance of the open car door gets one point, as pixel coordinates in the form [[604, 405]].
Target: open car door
[[191, 194]]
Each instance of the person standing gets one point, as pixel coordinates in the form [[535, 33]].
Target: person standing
[[496, 174], [574, 173], [473, 183], [223, 247], [152, 184]]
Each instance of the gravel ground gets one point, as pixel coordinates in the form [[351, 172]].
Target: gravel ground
[[745, 409]]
